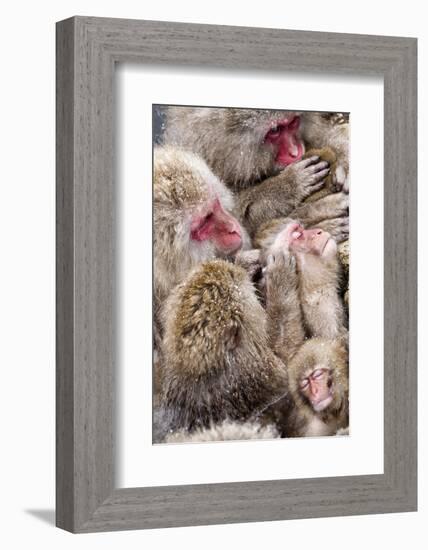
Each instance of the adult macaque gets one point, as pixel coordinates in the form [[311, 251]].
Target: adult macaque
[[258, 153], [192, 220], [301, 279], [192, 223], [218, 365]]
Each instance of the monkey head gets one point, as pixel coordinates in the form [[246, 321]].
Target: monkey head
[[319, 375], [284, 138], [242, 146], [300, 241], [192, 222]]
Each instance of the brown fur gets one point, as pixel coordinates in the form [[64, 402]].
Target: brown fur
[[218, 364], [232, 143], [310, 332], [317, 279], [182, 183], [226, 431], [331, 354]]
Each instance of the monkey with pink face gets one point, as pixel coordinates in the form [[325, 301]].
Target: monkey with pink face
[[192, 224], [259, 155], [302, 277]]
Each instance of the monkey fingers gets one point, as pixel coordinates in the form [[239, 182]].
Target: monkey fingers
[[337, 227], [329, 207], [280, 276], [312, 173]]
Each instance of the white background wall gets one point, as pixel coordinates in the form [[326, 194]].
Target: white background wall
[[27, 286]]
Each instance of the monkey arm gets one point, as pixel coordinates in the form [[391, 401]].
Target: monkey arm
[[284, 315], [327, 208], [279, 195]]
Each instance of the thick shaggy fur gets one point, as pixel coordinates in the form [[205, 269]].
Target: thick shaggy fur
[[318, 281], [181, 183], [226, 431], [232, 143], [218, 363], [230, 140], [304, 288]]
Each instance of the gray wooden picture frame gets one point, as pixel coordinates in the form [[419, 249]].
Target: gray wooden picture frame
[[87, 51]]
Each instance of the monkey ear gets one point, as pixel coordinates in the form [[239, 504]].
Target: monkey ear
[[232, 336]]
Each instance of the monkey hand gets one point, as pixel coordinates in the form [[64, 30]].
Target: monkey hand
[[307, 176], [337, 227], [327, 208], [280, 276], [280, 195]]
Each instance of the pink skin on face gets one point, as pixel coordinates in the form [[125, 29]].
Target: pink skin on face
[[284, 136], [317, 388], [219, 226], [307, 241]]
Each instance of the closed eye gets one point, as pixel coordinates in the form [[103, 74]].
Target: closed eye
[[304, 383], [318, 373]]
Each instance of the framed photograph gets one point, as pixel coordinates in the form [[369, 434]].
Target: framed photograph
[[236, 274]]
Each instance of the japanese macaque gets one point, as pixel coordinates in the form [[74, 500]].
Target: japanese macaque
[[192, 221], [218, 364], [319, 385], [312, 253], [301, 278], [259, 153]]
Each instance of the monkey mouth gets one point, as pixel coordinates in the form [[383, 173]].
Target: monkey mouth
[[232, 243], [323, 404]]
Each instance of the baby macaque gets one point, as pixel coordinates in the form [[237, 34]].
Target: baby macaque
[[301, 278], [218, 365], [319, 385], [314, 253]]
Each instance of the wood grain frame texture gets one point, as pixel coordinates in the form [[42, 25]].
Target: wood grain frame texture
[[87, 51]]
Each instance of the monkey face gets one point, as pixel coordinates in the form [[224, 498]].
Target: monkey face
[[284, 137], [214, 224], [305, 241], [310, 241], [317, 388]]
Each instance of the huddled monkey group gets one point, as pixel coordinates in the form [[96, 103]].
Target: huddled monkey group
[[251, 224]]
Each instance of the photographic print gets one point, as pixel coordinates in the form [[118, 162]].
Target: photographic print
[[250, 273]]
